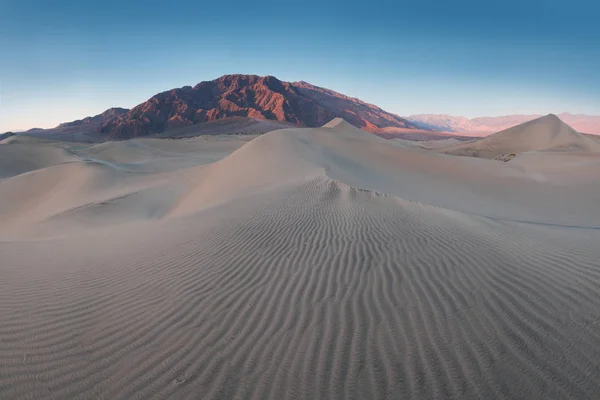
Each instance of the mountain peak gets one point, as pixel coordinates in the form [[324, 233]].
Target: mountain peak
[[251, 96]]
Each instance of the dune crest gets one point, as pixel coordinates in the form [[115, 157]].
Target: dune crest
[[302, 264], [339, 123], [547, 133]]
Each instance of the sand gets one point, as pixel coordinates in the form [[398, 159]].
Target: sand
[[87, 133], [547, 133], [426, 144], [319, 263]]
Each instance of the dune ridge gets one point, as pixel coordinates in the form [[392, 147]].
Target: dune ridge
[[308, 263], [547, 133], [589, 124]]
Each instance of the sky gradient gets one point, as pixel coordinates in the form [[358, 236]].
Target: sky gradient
[[64, 60]]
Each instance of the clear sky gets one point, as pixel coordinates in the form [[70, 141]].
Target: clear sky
[[62, 60]]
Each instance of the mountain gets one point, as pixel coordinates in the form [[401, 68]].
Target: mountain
[[548, 133], [441, 122], [96, 119], [6, 135], [583, 123], [250, 96], [81, 130], [486, 125]]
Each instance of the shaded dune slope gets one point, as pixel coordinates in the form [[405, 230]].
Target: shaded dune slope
[[53, 188], [17, 158], [78, 195], [317, 263]]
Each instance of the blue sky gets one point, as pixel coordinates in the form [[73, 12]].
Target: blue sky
[[63, 60]]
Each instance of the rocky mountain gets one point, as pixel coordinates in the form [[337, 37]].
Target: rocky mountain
[[486, 125], [96, 119], [251, 96]]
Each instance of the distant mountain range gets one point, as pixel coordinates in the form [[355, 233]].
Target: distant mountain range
[[544, 133], [97, 119], [250, 96], [482, 126], [258, 104]]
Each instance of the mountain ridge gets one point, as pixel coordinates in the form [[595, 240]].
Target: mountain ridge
[[99, 118], [251, 96]]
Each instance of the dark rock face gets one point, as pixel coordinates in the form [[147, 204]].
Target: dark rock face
[[249, 96], [97, 119]]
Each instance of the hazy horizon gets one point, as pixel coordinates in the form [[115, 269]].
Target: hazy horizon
[[76, 60]]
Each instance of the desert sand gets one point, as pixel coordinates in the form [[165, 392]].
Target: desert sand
[[322, 263], [547, 133]]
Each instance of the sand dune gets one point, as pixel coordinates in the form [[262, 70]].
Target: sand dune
[[547, 133], [309, 263], [426, 144], [19, 157]]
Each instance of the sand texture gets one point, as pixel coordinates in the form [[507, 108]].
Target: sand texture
[[320, 263]]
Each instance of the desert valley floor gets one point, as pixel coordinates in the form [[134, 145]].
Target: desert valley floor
[[322, 263]]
